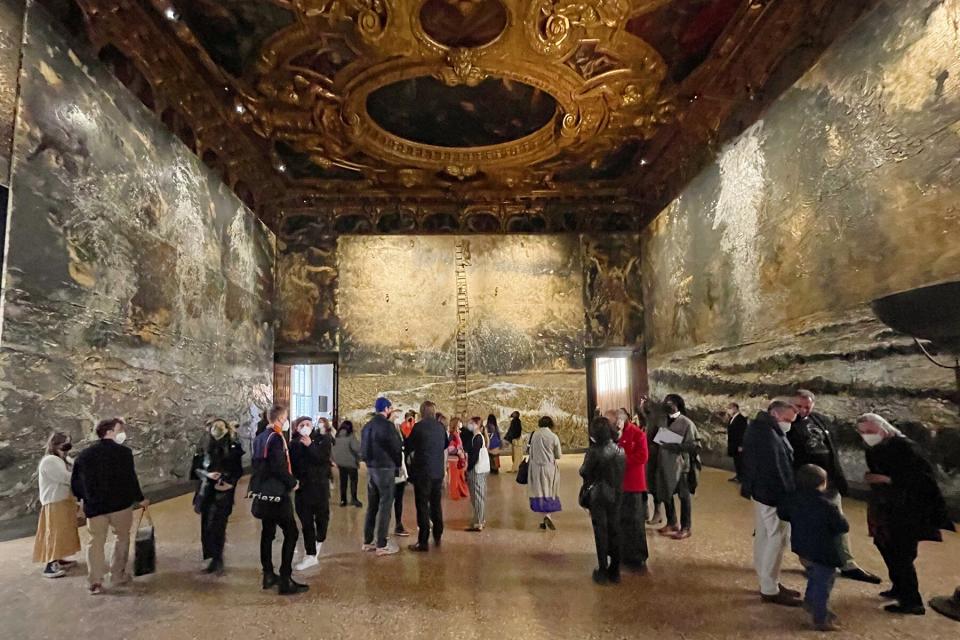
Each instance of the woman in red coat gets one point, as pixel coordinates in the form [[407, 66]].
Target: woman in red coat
[[633, 441]]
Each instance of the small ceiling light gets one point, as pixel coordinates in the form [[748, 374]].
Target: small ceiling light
[[240, 109], [170, 14], [282, 168], [643, 162]]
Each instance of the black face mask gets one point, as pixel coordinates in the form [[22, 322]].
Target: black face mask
[[66, 447]]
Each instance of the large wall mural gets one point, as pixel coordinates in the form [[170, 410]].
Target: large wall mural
[[613, 290], [397, 302], [137, 283], [11, 30], [758, 276], [307, 284]]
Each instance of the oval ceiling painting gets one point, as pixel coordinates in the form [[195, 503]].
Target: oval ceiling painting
[[495, 111]]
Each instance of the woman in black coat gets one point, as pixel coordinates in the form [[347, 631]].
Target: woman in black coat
[[219, 472], [602, 472], [905, 507], [310, 453]]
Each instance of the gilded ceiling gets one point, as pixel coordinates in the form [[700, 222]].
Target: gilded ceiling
[[398, 109]]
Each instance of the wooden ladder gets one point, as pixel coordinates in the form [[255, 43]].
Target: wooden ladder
[[463, 313]]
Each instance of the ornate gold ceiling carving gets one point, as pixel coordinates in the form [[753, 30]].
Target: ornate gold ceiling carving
[[270, 93], [314, 80]]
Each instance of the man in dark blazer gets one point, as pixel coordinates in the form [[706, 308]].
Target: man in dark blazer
[[427, 445], [736, 429], [812, 444], [768, 481]]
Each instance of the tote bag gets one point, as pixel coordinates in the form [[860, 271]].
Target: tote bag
[[483, 462], [145, 547]]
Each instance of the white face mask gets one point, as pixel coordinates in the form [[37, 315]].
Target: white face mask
[[305, 431], [286, 425], [785, 426], [675, 415], [871, 439], [120, 438]]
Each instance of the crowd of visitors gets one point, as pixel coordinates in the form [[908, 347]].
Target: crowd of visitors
[[785, 461]]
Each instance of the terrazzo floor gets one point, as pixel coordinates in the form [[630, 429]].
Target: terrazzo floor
[[511, 581]]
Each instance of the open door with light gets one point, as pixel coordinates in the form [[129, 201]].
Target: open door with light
[[616, 378]]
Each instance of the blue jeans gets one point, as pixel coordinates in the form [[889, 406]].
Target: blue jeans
[[820, 580], [380, 488]]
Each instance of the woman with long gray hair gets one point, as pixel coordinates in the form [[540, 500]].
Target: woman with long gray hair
[[905, 507]]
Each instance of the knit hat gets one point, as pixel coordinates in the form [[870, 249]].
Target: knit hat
[[382, 404]]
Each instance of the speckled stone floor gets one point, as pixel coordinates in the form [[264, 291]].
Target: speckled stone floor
[[512, 581]]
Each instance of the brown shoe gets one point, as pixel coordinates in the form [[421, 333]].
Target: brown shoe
[[781, 598], [788, 592], [683, 534], [829, 625], [667, 530]]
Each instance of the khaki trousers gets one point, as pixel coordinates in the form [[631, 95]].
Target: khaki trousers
[[120, 522], [771, 537], [516, 451]]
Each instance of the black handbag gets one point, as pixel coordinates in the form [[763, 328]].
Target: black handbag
[[523, 471], [145, 547], [586, 495]]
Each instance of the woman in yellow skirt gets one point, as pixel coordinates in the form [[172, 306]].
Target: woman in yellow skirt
[[57, 535]]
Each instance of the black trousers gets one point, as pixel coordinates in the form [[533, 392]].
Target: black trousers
[[348, 477], [686, 505], [633, 533], [285, 521], [738, 464], [314, 518], [429, 495], [214, 514], [606, 535], [899, 553], [398, 492]]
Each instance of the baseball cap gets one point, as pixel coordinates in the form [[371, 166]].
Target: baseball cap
[[381, 404]]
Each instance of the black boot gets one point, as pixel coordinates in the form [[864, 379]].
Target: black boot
[[289, 587], [215, 566], [270, 579]]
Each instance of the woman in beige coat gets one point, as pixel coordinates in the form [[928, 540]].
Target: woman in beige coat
[[543, 484]]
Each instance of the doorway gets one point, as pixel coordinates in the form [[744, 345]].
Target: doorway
[[307, 386], [311, 391], [616, 378]]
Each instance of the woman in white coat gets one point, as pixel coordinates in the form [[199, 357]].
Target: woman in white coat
[[543, 484], [57, 536]]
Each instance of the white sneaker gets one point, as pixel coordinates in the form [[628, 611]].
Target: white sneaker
[[368, 547], [388, 550], [306, 563]]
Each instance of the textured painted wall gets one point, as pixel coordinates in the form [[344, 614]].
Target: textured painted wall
[[758, 276], [307, 284], [11, 23], [525, 346], [613, 290], [137, 283]]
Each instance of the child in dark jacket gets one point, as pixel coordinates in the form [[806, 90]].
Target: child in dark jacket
[[816, 530]]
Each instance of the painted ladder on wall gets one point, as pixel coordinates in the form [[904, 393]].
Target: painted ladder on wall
[[463, 312]]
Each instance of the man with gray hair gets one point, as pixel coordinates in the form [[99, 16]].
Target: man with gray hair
[[812, 444], [768, 482]]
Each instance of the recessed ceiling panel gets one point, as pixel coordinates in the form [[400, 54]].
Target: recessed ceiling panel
[[427, 111]]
